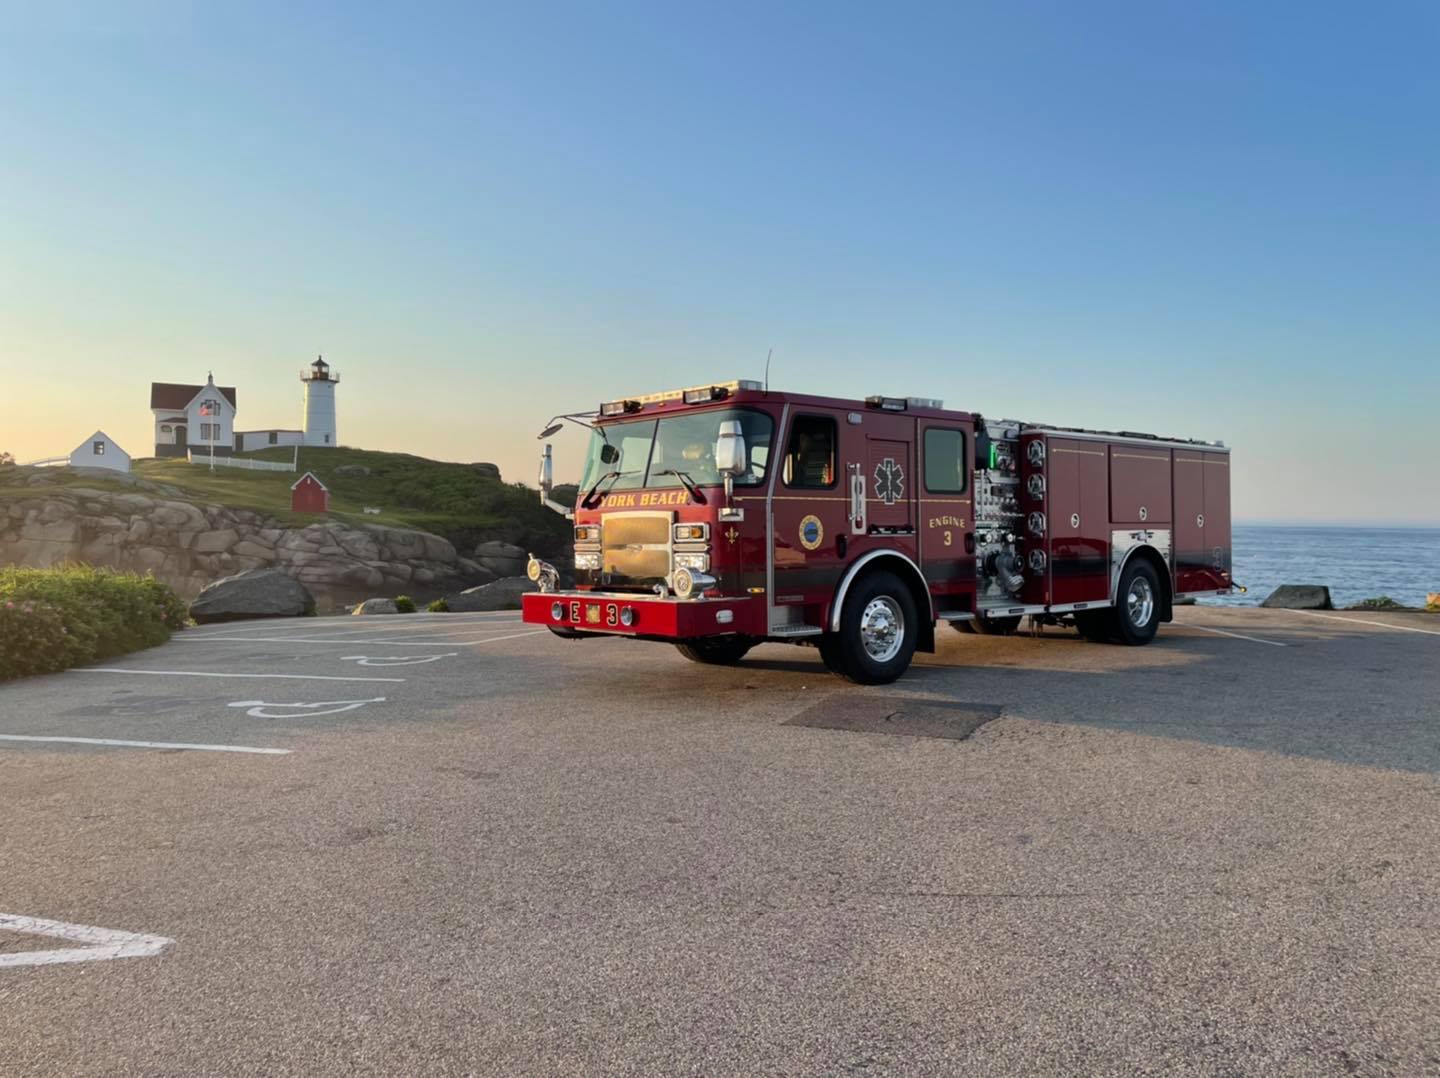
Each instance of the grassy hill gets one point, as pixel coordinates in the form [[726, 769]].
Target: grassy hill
[[453, 500]]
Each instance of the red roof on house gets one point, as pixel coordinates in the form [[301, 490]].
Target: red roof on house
[[177, 396], [309, 475]]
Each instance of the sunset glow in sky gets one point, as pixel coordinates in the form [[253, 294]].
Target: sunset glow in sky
[[1217, 221]]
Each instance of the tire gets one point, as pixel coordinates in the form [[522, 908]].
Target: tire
[[716, 650], [879, 629], [1096, 626], [994, 626], [1137, 604]]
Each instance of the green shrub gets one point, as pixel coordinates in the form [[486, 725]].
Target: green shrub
[[404, 604], [51, 619], [438, 606], [1381, 602]]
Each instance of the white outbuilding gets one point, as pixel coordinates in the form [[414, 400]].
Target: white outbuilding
[[100, 451]]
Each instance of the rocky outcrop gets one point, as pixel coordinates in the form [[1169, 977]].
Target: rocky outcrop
[[501, 595], [255, 593], [502, 559], [377, 606], [1300, 597], [189, 546]]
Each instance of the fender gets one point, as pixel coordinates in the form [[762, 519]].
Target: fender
[[1167, 584], [859, 563]]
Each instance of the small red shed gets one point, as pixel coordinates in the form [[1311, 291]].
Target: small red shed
[[309, 495]]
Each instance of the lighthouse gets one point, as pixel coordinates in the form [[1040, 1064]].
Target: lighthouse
[[320, 382]]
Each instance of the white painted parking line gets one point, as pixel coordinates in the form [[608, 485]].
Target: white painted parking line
[[206, 673], [101, 943], [256, 709], [390, 623], [145, 744], [396, 660], [1365, 621], [1237, 636], [352, 642]]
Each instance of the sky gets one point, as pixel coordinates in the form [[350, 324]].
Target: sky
[[1217, 221]]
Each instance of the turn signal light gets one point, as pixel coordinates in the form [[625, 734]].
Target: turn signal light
[[687, 532], [587, 533]]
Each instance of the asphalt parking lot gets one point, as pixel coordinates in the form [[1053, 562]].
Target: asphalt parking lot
[[454, 844]]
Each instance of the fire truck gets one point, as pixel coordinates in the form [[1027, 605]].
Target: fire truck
[[722, 516]]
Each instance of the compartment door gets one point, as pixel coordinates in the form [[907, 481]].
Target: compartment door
[[1079, 521], [1217, 517], [1191, 557]]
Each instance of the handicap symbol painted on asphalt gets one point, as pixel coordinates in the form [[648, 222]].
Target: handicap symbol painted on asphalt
[[259, 709], [396, 660]]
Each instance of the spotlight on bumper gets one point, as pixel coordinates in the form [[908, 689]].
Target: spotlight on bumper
[[542, 573], [690, 582]]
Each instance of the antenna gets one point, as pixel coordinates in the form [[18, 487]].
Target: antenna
[[768, 354]]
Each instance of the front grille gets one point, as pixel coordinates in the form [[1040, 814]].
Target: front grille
[[636, 546]]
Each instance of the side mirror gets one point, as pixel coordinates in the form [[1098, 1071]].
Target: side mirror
[[547, 474], [609, 454], [730, 448]]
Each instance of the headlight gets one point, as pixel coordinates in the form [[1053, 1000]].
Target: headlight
[[685, 533], [587, 533], [699, 562], [587, 559]]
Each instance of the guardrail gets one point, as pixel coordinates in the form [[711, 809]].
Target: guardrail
[[205, 460]]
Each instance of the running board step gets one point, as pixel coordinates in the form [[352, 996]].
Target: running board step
[[784, 632], [955, 615]]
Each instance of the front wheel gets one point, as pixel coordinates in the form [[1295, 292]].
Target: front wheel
[[716, 650], [879, 629]]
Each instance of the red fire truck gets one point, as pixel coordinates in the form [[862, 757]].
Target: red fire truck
[[721, 516]]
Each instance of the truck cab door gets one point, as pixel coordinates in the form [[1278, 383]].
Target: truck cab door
[[946, 518]]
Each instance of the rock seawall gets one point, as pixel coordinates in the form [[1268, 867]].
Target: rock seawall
[[189, 545]]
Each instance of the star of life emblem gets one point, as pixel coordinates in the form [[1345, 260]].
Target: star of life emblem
[[889, 481]]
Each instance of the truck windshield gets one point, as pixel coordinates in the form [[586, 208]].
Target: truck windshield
[[640, 449]]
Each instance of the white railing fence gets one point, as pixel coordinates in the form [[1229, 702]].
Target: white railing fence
[[204, 460]]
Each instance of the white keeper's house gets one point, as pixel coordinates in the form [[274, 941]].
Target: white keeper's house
[[201, 418], [193, 417]]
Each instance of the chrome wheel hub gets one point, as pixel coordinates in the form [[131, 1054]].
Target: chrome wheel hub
[[882, 628], [1140, 602]]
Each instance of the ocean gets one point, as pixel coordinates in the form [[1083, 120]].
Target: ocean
[[1357, 563]]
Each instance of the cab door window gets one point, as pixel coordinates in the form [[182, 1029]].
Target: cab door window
[[946, 466], [810, 456]]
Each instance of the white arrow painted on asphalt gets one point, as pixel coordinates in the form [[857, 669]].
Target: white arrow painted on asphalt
[[396, 660], [101, 943], [257, 708]]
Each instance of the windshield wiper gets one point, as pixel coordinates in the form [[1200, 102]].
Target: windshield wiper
[[585, 501], [686, 481]]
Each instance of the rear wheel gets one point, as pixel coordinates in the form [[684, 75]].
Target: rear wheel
[[879, 628], [716, 650], [1137, 604], [1096, 626], [993, 626]]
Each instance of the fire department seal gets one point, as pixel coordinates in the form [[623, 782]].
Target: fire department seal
[[812, 532]]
